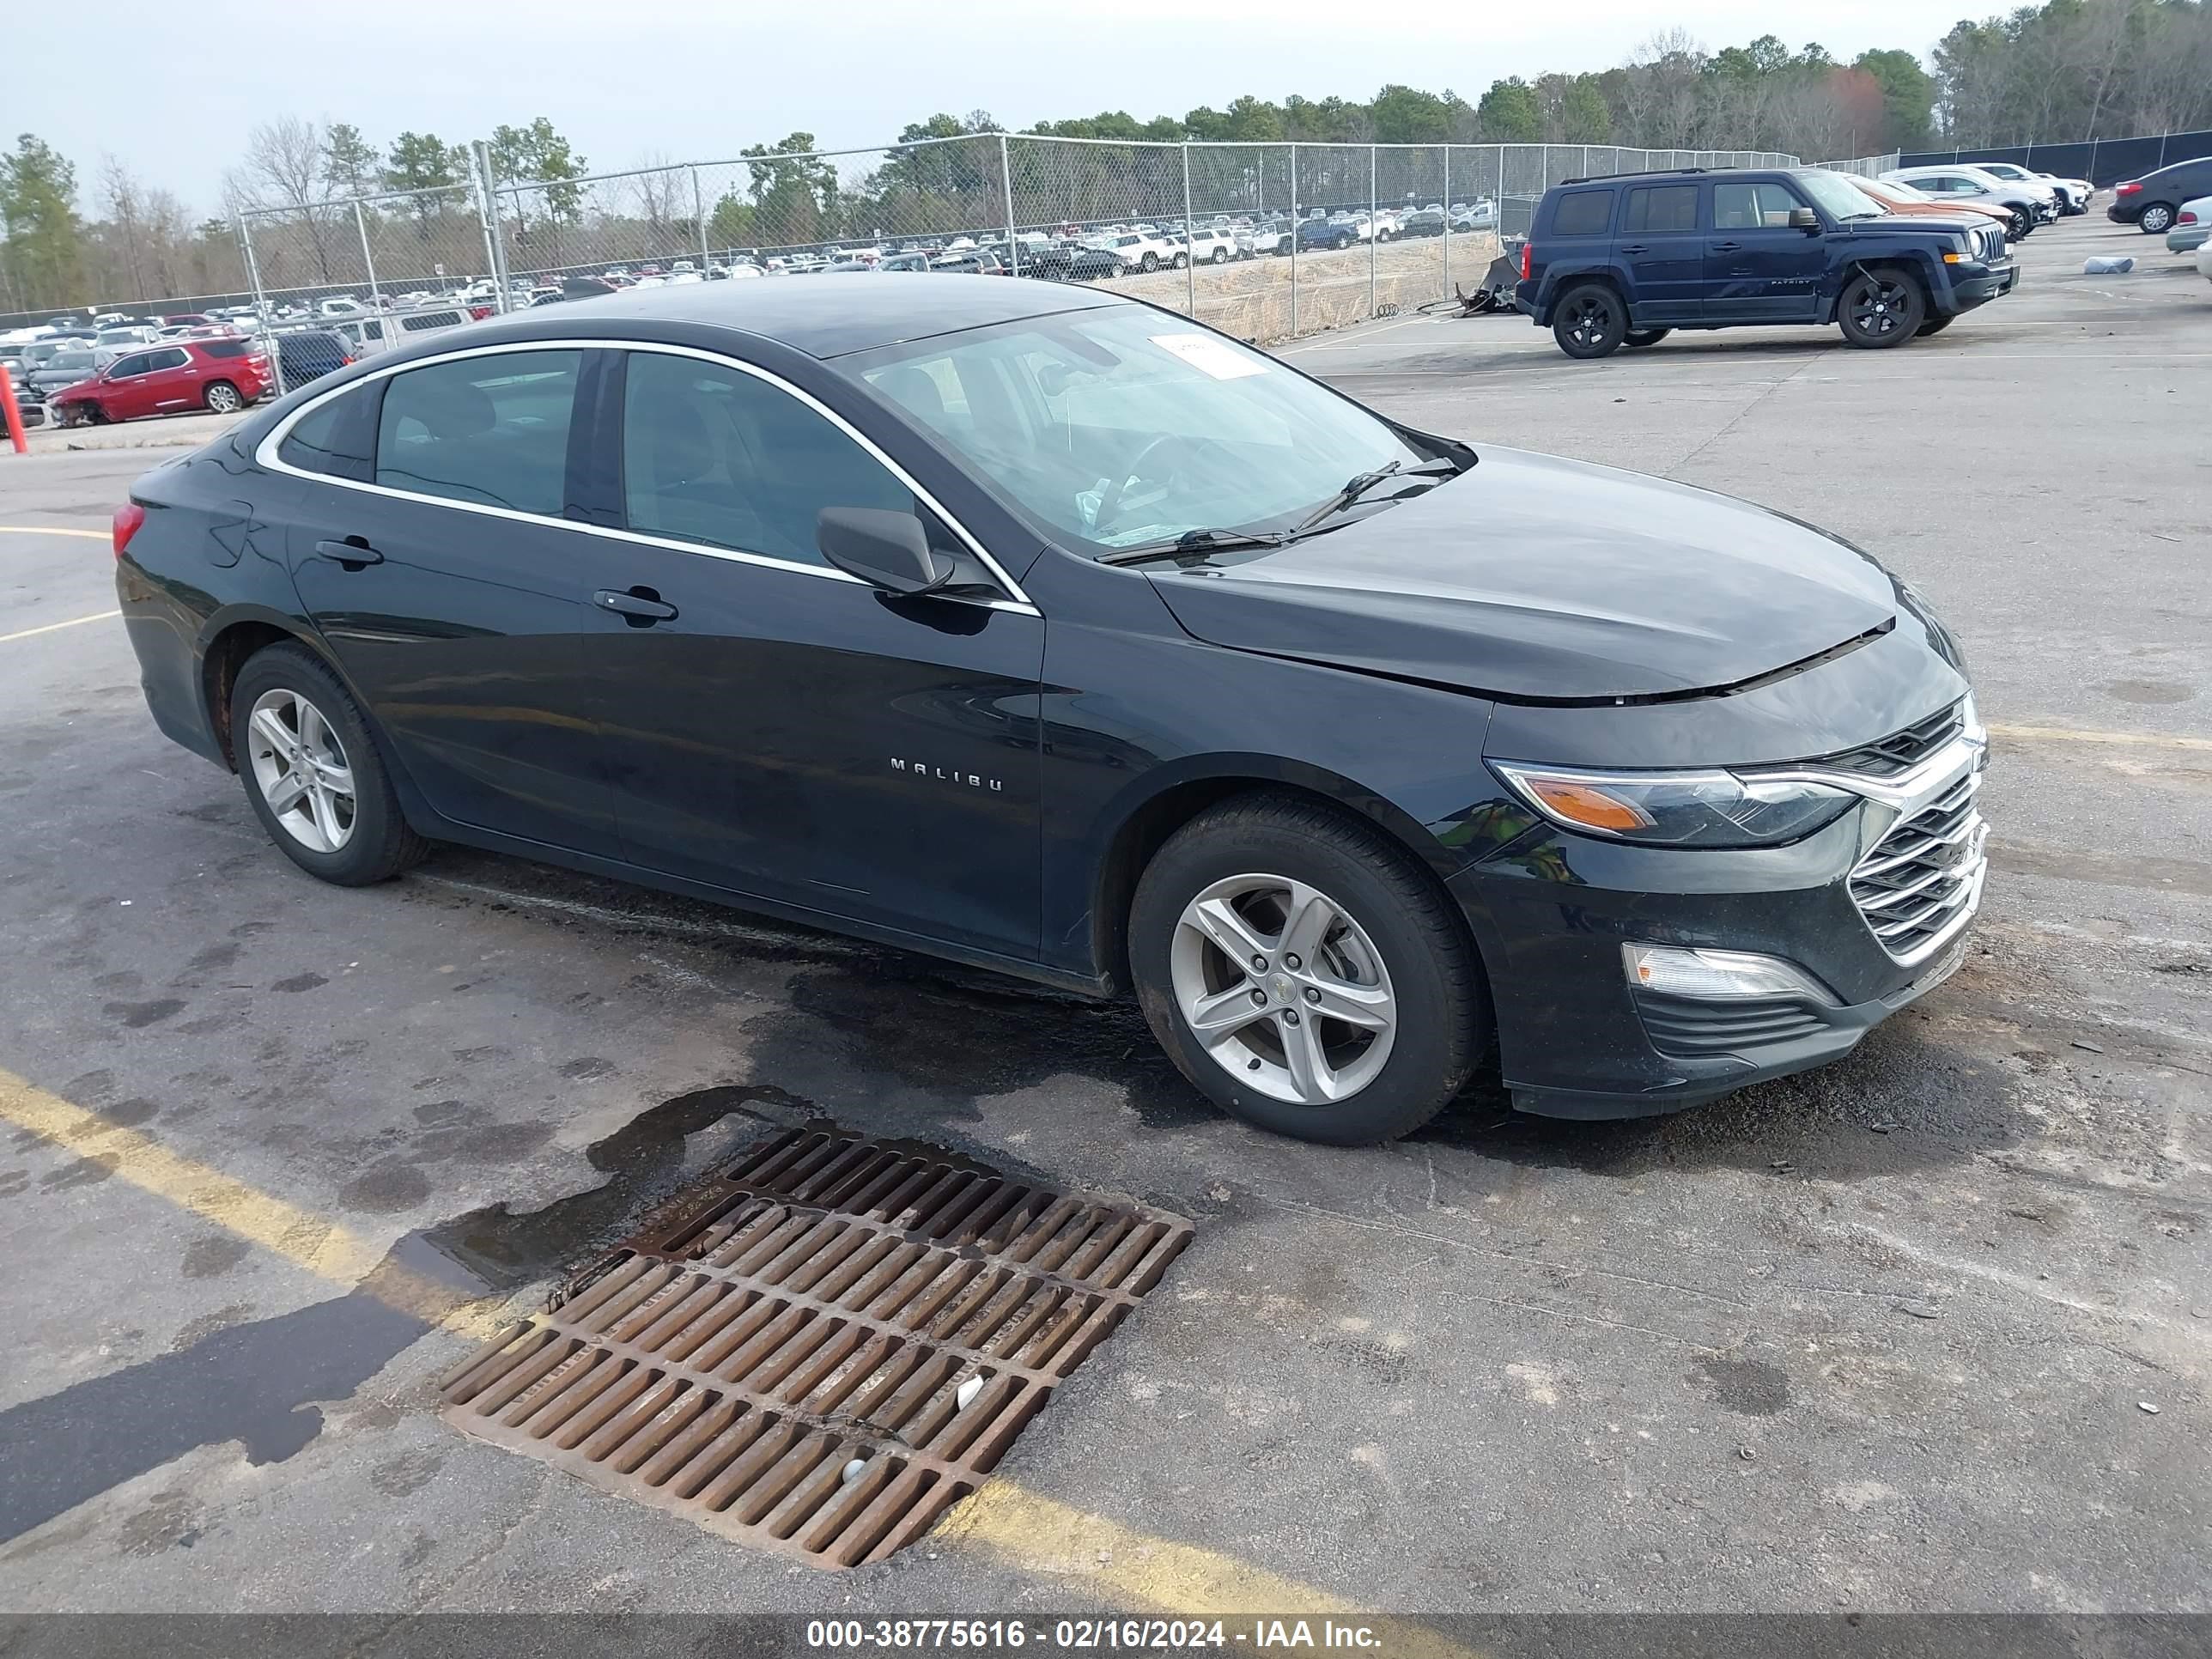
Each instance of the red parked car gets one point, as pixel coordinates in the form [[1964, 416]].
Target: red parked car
[[167, 379]]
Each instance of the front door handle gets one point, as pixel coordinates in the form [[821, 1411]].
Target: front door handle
[[1726, 247], [353, 550], [641, 607], [1635, 248]]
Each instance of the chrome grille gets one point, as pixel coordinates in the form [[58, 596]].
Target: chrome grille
[[1900, 751], [1923, 877]]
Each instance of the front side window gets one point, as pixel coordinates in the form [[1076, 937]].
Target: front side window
[[1753, 207], [491, 429], [713, 455], [1119, 426], [126, 366]]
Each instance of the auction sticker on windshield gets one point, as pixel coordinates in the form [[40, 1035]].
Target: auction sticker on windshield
[[1203, 351]]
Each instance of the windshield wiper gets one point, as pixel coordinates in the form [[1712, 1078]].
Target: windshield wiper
[[1360, 483], [1195, 542]]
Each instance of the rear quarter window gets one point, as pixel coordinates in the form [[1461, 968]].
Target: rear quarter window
[[225, 347], [1583, 213]]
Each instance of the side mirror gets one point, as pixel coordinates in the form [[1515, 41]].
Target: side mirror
[[1803, 218], [889, 550]]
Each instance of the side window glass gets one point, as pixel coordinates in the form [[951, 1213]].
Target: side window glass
[[713, 455], [1662, 208], [1583, 213], [336, 439], [492, 429], [172, 358], [1735, 207], [125, 366]]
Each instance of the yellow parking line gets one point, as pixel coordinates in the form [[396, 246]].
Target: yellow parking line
[[54, 529], [1034, 1533], [74, 622], [2067, 734]]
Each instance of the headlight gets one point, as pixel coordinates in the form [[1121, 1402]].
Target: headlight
[[1677, 809]]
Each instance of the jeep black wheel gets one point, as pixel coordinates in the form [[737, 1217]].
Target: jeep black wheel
[[1880, 308], [1305, 973], [1590, 321], [1644, 337]]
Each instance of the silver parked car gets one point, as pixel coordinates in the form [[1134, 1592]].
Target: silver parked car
[[2073, 194], [2192, 226]]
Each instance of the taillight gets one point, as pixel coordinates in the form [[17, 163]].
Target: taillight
[[2187, 217], [2128, 189], [1527, 260], [128, 518]]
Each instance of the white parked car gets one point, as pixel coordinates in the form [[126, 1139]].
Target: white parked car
[[2205, 262], [2073, 194], [111, 343], [342, 305], [1214, 246], [1140, 250]]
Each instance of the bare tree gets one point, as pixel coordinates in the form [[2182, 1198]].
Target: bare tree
[[283, 168]]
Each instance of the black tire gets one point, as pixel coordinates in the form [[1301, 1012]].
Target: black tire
[[1644, 337], [221, 397], [2155, 220], [1444, 1022], [1150, 262], [1220, 256], [1935, 326], [2023, 224], [1880, 308], [378, 842], [1182, 260], [1589, 321]]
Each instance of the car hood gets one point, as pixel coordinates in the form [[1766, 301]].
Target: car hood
[[1535, 579]]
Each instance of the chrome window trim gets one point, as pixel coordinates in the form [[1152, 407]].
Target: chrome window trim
[[264, 454]]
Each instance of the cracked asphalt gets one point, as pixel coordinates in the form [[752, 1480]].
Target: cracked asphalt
[[1882, 1337]]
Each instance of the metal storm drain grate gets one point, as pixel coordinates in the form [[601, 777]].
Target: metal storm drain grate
[[822, 1347]]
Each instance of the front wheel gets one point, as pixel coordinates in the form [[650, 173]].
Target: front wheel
[[1590, 322], [312, 773], [2157, 219], [1151, 262], [1644, 337], [1180, 260], [1880, 308], [222, 398], [1220, 256], [1304, 974]]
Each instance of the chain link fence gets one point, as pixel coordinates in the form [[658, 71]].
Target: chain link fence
[[1268, 241]]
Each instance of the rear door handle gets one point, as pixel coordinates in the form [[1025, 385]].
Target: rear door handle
[[640, 605], [1726, 247], [354, 549], [1635, 248]]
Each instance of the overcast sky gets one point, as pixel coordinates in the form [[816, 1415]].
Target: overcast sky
[[688, 80]]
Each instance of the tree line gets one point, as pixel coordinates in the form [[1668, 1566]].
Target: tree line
[[2065, 70]]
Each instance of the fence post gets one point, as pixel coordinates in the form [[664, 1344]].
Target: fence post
[[1190, 249], [1006, 184], [699, 212], [262, 320], [1297, 225], [487, 216], [1448, 207], [367, 259], [1374, 225]]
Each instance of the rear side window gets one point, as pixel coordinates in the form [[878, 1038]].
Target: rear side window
[[336, 439], [715, 455], [416, 324], [225, 347], [491, 429], [173, 357], [1583, 213], [1662, 207]]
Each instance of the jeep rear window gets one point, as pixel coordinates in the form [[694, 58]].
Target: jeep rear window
[[1583, 213], [1662, 207]]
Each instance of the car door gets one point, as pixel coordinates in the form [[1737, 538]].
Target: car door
[[774, 725], [431, 552], [1665, 252], [172, 381], [1757, 268], [125, 395]]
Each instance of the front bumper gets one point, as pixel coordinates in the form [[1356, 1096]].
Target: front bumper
[[1553, 909], [1988, 283]]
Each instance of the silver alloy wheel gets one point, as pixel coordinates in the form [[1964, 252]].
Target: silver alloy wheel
[[300, 767], [1284, 988], [222, 398]]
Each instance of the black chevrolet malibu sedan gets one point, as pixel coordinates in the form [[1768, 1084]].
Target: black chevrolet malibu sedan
[[1050, 632]]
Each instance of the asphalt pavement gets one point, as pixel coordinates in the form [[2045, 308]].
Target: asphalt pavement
[[1925, 1330]]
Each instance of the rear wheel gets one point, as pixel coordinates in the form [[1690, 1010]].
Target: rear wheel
[[1304, 974], [1220, 256], [221, 397], [1180, 260], [2156, 220], [1150, 262], [1590, 321], [312, 773], [1880, 308], [1644, 337]]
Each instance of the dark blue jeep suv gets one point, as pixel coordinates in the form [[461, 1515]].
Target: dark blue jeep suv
[[1626, 260]]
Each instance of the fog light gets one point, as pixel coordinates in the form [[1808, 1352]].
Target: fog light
[[1717, 974]]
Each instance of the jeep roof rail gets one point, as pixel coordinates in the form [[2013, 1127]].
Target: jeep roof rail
[[1662, 172]]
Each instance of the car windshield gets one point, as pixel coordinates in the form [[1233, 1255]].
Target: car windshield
[[1839, 197], [1902, 191], [1121, 427]]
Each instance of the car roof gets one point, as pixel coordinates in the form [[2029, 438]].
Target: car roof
[[822, 320]]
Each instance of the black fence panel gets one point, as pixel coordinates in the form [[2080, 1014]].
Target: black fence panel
[[2103, 162]]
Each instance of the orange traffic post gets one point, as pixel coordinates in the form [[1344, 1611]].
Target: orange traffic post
[[15, 415]]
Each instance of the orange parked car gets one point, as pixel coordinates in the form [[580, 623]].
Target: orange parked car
[[1897, 197]]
